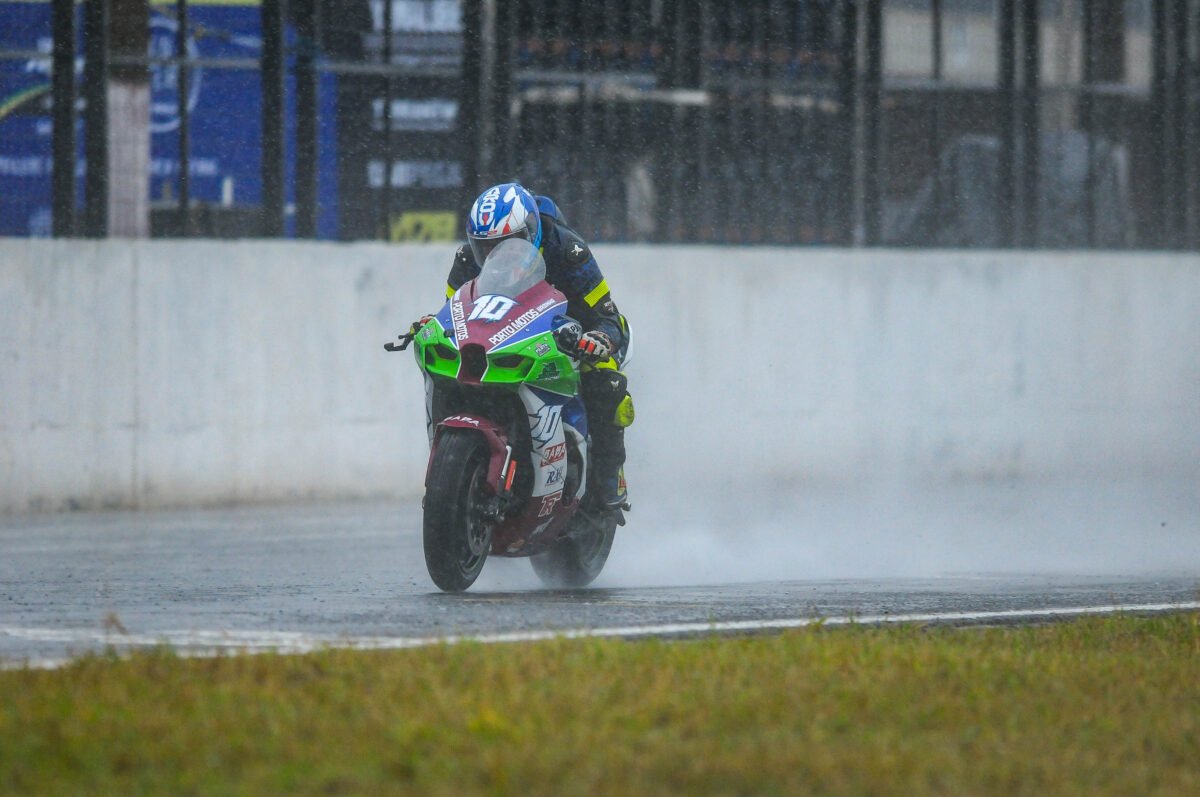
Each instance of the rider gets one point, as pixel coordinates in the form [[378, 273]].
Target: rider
[[508, 210]]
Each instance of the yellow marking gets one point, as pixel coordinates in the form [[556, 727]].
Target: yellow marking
[[449, 290], [597, 293], [425, 225]]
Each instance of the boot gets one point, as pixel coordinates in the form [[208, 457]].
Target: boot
[[613, 492]]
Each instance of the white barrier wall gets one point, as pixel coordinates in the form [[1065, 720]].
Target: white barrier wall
[[165, 373]]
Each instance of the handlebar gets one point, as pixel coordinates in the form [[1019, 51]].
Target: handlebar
[[405, 339]]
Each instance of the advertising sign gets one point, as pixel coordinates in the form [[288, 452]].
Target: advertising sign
[[412, 195], [224, 112]]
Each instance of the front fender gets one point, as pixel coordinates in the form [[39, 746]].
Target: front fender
[[494, 434]]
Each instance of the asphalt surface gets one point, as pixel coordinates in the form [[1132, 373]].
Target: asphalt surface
[[272, 578]]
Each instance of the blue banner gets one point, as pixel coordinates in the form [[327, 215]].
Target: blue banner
[[224, 109]]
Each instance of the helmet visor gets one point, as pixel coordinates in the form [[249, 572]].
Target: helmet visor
[[482, 247]]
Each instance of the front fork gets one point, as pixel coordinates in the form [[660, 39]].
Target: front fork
[[429, 429]]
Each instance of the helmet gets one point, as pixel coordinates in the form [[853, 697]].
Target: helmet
[[503, 211]]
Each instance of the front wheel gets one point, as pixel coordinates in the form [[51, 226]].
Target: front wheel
[[457, 530], [579, 556]]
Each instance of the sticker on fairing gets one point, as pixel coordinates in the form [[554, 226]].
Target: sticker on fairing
[[548, 503], [458, 317], [520, 322], [546, 424]]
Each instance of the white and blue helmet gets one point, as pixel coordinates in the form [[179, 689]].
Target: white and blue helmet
[[501, 212]]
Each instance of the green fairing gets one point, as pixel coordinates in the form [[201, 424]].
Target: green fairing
[[553, 371]]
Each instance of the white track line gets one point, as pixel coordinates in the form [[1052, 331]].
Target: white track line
[[210, 643]]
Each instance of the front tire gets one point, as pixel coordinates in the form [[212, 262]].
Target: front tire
[[579, 556], [457, 530]]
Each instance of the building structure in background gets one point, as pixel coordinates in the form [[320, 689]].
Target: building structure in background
[[907, 122]]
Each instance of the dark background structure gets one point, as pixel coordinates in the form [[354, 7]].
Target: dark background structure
[[755, 122]]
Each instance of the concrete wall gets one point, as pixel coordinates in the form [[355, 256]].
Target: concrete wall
[[163, 374]]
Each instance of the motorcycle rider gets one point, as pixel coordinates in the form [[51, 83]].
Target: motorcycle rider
[[509, 210]]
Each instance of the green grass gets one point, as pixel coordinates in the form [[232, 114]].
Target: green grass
[[1097, 706]]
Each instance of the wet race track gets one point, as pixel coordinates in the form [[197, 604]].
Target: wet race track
[[296, 578]]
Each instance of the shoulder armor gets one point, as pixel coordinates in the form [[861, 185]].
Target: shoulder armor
[[575, 250]]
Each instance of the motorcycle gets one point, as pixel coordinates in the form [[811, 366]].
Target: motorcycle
[[508, 461]]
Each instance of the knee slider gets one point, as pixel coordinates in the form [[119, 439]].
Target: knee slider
[[623, 417], [617, 386], [608, 389]]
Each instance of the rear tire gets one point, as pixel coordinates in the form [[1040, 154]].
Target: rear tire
[[457, 532], [579, 556]]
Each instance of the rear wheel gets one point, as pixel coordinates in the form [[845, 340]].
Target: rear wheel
[[457, 530], [579, 556]]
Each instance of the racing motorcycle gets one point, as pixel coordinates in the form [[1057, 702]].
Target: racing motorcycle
[[508, 460]]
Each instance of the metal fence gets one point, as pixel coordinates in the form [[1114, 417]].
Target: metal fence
[[687, 123], [1052, 123]]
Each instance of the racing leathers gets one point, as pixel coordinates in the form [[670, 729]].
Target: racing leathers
[[571, 268]]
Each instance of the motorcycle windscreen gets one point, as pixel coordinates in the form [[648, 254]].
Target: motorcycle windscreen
[[512, 268]]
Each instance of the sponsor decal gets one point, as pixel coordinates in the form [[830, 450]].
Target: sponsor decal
[[426, 333], [491, 308], [458, 318], [553, 476], [519, 323], [548, 504], [486, 205], [549, 371], [555, 453], [576, 250], [542, 349], [545, 423], [463, 419]]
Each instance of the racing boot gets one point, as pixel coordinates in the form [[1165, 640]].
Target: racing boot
[[608, 466], [613, 492], [607, 398]]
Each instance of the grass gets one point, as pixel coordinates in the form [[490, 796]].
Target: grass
[[1096, 706]]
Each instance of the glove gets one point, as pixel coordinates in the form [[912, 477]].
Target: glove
[[594, 346]]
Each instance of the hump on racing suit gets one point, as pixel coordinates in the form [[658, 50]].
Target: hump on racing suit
[[547, 207]]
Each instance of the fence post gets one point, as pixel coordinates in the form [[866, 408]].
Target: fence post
[[467, 118], [1006, 194], [1160, 174], [273, 154], [873, 127], [848, 94], [1087, 121], [62, 84], [1180, 152], [182, 89], [307, 151], [1031, 123], [95, 141]]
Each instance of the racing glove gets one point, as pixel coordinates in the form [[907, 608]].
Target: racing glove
[[594, 346]]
